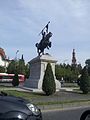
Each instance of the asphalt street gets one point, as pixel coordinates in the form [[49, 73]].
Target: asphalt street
[[72, 114]]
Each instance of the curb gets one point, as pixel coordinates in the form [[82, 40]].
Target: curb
[[67, 106], [65, 109]]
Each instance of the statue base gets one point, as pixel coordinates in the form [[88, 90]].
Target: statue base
[[37, 70]]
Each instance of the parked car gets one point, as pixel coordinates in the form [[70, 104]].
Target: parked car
[[14, 108]]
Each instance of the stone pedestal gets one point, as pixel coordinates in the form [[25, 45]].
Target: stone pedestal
[[37, 70]]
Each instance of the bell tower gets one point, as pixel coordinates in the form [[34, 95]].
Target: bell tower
[[74, 58]]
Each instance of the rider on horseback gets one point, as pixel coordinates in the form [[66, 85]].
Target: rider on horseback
[[44, 43], [43, 40]]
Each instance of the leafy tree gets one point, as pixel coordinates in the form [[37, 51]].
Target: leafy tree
[[49, 86], [84, 81], [2, 69], [58, 72], [15, 81], [88, 65], [21, 67], [17, 66], [79, 68], [12, 67], [68, 72], [27, 71]]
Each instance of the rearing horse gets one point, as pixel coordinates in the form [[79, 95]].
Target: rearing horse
[[44, 43]]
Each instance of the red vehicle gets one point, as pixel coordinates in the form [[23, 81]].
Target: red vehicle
[[7, 78]]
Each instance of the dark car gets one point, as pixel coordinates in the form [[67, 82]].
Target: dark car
[[85, 115], [14, 108]]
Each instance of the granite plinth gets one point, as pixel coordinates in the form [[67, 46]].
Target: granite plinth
[[37, 70]]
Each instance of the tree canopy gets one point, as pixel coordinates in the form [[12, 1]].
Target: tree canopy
[[68, 72], [18, 66]]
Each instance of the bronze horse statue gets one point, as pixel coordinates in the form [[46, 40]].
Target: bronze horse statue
[[44, 43]]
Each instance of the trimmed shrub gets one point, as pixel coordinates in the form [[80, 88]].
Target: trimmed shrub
[[85, 81], [15, 81], [49, 86]]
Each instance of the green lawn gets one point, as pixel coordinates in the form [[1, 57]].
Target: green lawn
[[26, 95], [39, 98]]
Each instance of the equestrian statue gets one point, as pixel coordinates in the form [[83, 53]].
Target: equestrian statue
[[45, 42]]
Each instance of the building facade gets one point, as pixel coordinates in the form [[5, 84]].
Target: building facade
[[4, 62]]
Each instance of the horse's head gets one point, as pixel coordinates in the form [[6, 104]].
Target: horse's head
[[48, 35]]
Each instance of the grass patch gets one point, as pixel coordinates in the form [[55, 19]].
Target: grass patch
[[2, 87], [31, 96], [26, 95]]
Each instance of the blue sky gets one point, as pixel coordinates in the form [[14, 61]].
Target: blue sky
[[22, 20]]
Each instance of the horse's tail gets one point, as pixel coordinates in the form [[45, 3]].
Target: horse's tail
[[36, 44]]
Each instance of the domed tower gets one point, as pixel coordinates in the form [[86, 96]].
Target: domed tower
[[73, 58]]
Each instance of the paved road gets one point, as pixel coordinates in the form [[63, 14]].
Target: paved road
[[73, 114]]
